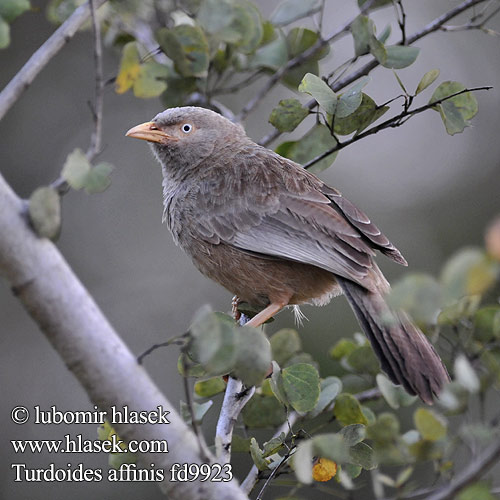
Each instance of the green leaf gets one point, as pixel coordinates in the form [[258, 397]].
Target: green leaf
[[456, 111], [151, 80], [399, 56], [457, 311], [45, 212], [317, 88], [386, 33], [343, 348], [187, 47], [362, 455], [199, 411], [273, 445], [487, 323], [210, 387], [257, 455], [347, 410], [253, 356], [465, 375], [431, 426], [363, 360], [315, 142], [4, 34], [276, 385], [351, 99], [365, 41], [353, 434], [76, 169], [284, 344], [214, 344], [419, 295], [367, 113], [287, 115], [302, 461], [301, 385], [458, 275], [188, 368], [288, 11], [237, 22], [97, 179], [240, 444], [299, 40], [215, 15], [395, 395], [263, 412], [330, 388], [10, 9], [385, 430], [476, 491], [427, 79]]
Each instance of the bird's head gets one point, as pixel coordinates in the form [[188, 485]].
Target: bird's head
[[183, 137]]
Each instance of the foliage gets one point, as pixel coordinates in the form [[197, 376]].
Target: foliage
[[350, 419]]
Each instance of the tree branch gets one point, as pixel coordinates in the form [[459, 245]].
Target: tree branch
[[475, 470], [235, 398], [43, 55], [73, 323], [395, 121], [97, 109], [296, 61], [434, 25]]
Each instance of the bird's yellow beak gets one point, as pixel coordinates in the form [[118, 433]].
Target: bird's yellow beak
[[150, 132]]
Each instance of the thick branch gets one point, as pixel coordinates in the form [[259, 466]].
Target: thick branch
[[234, 401], [92, 350], [43, 55]]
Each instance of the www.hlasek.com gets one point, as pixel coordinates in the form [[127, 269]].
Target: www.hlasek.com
[[112, 444]]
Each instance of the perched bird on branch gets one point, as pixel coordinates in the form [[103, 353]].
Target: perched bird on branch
[[275, 235]]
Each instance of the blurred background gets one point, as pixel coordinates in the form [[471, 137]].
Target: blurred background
[[429, 192]]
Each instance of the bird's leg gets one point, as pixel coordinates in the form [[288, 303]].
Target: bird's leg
[[267, 313]]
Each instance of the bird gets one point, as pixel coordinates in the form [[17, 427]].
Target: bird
[[275, 235]]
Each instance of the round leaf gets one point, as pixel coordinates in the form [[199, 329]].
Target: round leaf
[[45, 212], [301, 385], [431, 426]]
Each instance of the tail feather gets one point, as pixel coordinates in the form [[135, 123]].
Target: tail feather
[[403, 350]]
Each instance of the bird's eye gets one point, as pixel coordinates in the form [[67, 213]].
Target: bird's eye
[[186, 128]]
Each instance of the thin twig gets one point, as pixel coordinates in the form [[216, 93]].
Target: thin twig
[[393, 122], [400, 10], [235, 398], [97, 109], [368, 67], [203, 450], [25, 76]]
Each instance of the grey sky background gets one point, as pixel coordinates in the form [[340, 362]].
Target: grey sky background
[[429, 192]]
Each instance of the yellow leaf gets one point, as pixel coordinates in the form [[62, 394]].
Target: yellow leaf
[[129, 68], [324, 469]]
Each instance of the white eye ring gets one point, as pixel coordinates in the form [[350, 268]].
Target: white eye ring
[[186, 128]]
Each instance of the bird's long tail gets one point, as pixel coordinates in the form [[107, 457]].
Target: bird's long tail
[[403, 350]]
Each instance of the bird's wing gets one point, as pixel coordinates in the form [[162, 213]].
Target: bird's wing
[[273, 207]]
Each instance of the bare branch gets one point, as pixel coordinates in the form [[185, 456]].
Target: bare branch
[[235, 398], [97, 109], [23, 79], [395, 121], [77, 329]]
